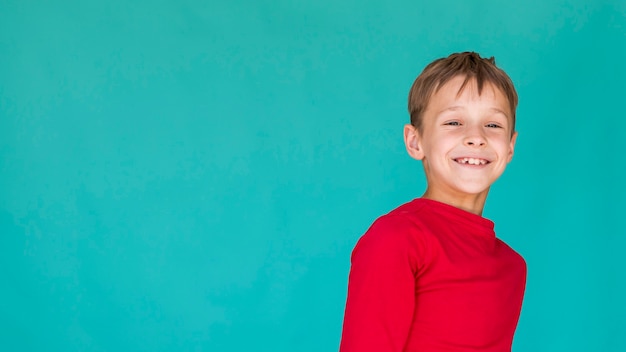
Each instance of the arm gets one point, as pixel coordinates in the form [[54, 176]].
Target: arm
[[381, 288]]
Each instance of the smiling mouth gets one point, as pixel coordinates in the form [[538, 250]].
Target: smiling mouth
[[472, 161]]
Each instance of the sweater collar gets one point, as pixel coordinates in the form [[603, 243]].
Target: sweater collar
[[482, 225]]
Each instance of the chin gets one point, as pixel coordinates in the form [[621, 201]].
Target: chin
[[474, 189]]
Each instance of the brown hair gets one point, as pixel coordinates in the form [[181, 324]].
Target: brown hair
[[468, 64]]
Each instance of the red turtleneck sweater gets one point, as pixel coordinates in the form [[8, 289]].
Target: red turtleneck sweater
[[432, 277]]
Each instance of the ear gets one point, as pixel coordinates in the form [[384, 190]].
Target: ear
[[512, 147], [412, 141]]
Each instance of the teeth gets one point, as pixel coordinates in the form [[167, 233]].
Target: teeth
[[472, 161]]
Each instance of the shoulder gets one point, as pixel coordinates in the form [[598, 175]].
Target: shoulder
[[407, 220], [396, 234], [515, 259], [400, 224]]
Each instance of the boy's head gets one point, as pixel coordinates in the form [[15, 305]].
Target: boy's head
[[462, 127], [468, 65]]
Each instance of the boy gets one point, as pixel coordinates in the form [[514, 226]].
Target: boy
[[431, 275]]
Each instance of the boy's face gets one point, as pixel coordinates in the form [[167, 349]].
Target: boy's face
[[465, 141]]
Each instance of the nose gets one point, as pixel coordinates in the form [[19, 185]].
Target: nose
[[475, 138]]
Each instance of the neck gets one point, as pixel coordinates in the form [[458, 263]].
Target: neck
[[473, 203]]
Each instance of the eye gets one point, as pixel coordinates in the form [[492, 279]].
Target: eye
[[452, 123], [493, 125]]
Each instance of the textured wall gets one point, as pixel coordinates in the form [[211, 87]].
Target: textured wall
[[192, 176]]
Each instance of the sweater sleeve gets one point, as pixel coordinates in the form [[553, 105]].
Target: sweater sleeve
[[381, 288]]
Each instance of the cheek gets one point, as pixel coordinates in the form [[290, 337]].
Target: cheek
[[503, 145], [443, 142]]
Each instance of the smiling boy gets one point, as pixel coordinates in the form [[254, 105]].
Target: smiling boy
[[431, 275]]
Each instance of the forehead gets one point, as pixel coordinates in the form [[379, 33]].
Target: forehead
[[460, 92]]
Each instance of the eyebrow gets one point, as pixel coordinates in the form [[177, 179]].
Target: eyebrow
[[457, 108]]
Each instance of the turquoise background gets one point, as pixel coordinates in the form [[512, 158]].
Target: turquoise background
[[192, 175]]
